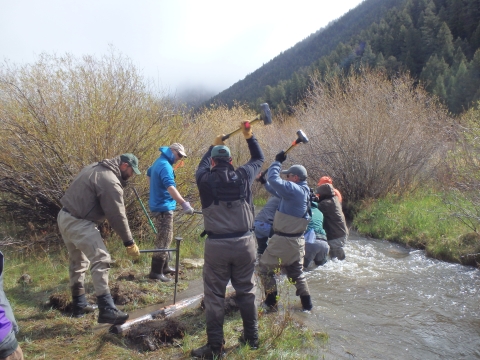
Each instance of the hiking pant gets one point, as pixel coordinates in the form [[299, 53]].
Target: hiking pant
[[164, 225], [318, 251], [336, 247], [263, 231], [85, 249], [288, 253], [229, 259]]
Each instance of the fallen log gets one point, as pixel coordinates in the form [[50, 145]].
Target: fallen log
[[164, 312]]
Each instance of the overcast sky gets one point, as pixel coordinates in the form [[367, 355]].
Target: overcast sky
[[178, 43]]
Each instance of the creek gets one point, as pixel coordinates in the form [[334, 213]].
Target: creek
[[387, 302]]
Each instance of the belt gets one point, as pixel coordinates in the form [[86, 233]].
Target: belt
[[229, 235], [287, 235], [65, 209]]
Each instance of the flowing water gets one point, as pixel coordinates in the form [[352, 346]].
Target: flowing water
[[386, 302]]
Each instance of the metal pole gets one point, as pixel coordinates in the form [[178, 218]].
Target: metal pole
[[157, 250], [177, 263], [145, 211]]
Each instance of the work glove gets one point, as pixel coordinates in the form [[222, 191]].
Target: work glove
[[218, 140], [187, 209], [281, 157], [261, 177], [133, 251], [246, 129]]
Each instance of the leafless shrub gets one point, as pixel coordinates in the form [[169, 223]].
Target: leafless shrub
[[371, 134], [462, 166], [62, 113]]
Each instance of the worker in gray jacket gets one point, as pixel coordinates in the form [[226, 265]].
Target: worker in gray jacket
[[94, 195], [334, 221], [287, 245]]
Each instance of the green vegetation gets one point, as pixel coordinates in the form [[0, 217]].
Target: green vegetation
[[420, 219], [32, 278]]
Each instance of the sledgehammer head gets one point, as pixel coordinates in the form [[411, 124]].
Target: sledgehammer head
[[302, 137], [266, 115]]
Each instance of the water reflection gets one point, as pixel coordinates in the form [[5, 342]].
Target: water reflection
[[387, 302]]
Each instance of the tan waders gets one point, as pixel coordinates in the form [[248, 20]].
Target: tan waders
[[286, 249]]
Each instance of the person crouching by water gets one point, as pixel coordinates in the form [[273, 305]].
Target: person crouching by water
[[227, 207], [334, 221], [264, 220], [316, 246], [287, 246]]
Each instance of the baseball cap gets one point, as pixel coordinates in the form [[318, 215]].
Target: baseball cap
[[179, 147], [131, 160], [220, 151], [297, 170]]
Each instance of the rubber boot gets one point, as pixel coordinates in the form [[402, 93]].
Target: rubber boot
[[306, 302], [208, 352], [108, 312], [337, 253], [167, 269], [250, 341], [81, 306], [271, 301], [157, 270], [306, 263]]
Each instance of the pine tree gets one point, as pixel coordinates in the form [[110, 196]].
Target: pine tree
[[445, 43]]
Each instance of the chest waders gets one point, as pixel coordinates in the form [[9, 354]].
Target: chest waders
[[229, 215]]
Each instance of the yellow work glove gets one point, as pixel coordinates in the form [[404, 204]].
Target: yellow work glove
[[133, 251], [218, 140], [246, 129]]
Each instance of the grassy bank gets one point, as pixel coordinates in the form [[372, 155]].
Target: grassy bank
[[37, 284], [420, 220]]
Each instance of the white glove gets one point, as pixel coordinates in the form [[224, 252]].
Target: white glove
[[187, 209]]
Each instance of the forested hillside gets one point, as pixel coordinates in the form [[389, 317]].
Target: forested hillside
[[437, 41]]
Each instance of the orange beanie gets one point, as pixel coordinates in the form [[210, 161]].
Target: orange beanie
[[328, 180]]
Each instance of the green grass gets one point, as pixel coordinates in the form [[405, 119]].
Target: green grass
[[420, 220], [49, 333]]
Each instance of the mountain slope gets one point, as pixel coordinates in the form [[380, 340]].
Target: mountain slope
[[304, 53]]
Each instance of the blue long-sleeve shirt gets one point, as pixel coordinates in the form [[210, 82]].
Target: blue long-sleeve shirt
[[294, 196]]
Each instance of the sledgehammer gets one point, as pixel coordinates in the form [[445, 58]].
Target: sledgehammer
[[265, 115], [301, 138]]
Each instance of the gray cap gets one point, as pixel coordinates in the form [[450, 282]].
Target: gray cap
[[296, 170]]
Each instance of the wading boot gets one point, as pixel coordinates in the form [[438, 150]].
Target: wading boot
[[81, 306], [108, 312], [306, 263], [167, 269], [306, 302], [252, 342], [270, 303], [208, 352], [157, 270], [337, 253]]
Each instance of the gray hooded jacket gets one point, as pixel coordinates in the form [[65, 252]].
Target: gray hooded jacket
[[97, 193]]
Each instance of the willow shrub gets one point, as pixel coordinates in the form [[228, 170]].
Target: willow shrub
[[463, 171], [62, 113], [371, 134]]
